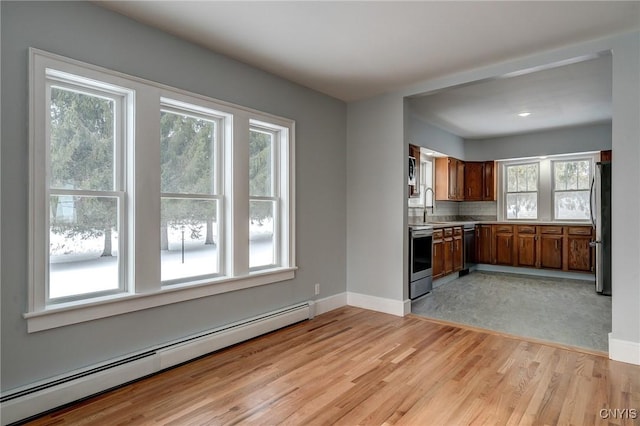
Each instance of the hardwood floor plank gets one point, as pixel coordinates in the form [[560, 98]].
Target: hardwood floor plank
[[356, 367]]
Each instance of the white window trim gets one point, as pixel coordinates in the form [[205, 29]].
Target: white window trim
[[123, 101], [545, 185], [145, 289], [592, 166], [505, 192], [200, 110]]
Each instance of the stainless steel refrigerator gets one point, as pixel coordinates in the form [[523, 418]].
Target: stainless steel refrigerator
[[601, 220]]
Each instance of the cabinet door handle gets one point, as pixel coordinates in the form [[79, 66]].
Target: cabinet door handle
[[556, 242]]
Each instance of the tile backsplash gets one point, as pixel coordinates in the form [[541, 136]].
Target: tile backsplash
[[453, 210]]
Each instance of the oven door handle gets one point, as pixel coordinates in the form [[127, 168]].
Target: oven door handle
[[422, 233]]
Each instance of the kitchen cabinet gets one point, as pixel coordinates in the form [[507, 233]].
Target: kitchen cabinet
[[473, 181], [503, 245], [551, 239], [438, 254], [483, 244], [579, 252], [489, 181], [479, 181], [458, 254], [526, 241], [561, 247], [460, 180], [449, 184], [448, 250]]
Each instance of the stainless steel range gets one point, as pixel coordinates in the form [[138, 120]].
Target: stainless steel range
[[420, 260]]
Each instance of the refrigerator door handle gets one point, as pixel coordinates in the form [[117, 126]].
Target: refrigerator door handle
[[593, 219]]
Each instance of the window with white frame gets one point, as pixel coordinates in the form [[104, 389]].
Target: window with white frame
[[263, 198], [191, 192], [121, 166], [521, 197], [571, 189], [85, 187], [549, 188]]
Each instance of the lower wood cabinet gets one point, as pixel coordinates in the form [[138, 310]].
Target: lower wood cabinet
[[551, 251], [438, 254], [560, 247], [448, 253], [503, 245], [527, 243], [580, 253], [458, 254], [551, 242], [448, 250], [483, 244]]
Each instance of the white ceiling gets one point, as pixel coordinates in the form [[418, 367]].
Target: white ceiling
[[570, 95], [353, 50]]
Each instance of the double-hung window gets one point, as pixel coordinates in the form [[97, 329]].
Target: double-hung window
[[83, 188], [550, 188], [265, 212], [190, 237], [143, 195], [571, 189], [522, 191]]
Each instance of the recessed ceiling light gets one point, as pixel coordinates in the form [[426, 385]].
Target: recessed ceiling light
[[430, 153], [524, 114]]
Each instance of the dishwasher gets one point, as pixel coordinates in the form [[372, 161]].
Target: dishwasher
[[469, 247]]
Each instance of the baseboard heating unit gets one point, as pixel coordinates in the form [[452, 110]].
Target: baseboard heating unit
[[40, 397]]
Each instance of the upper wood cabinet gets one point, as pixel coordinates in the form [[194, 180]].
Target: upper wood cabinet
[[489, 181], [473, 181], [479, 181], [449, 179]]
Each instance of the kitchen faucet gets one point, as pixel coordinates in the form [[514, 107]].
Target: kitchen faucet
[[424, 211]]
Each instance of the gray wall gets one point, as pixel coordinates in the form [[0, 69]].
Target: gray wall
[[89, 33], [626, 175], [376, 256], [559, 141], [425, 134]]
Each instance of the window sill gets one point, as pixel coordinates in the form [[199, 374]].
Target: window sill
[[73, 313]]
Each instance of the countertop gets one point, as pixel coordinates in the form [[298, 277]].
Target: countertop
[[448, 224]]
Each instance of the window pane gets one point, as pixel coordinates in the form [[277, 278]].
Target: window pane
[[572, 205], [522, 178], [260, 163], [570, 175], [82, 142], [187, 154], [261, 233], [83, 245], [522, 206], [532, 177], [512, 179], [189, 238]]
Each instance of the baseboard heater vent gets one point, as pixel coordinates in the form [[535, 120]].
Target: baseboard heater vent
[[43, 396]]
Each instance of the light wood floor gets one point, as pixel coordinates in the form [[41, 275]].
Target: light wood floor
[[352, 366]]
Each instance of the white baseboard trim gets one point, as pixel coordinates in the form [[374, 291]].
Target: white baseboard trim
[[330, 303], [40, 397], [373, 303], [624, 350]]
